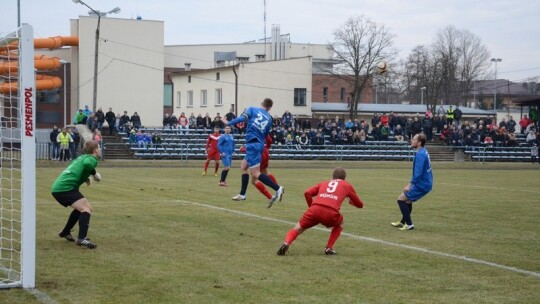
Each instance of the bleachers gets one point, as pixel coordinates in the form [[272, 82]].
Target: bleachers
[[489, 153], [176, 145]]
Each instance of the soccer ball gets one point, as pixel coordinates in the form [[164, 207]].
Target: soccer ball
[[381, 67]]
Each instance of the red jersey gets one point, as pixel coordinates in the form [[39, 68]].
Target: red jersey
[[212, 141], [332, 193]]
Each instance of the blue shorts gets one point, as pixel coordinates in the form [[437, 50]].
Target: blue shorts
[[253, 154], [415, 193], [226, 160]]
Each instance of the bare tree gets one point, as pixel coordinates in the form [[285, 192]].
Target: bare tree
[[360, 44]]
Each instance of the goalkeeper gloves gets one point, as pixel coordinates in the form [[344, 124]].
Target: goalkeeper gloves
[[97, 177], [88, 181]]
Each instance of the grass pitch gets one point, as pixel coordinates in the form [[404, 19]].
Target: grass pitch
[[166, 234]]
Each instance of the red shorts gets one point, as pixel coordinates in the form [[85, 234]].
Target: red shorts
[[317, 214], [264, 159], [213, 154]]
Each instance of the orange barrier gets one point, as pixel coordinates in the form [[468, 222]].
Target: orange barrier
[[43, 82], [41, 63]]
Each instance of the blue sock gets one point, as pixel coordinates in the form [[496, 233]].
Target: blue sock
[[268, 181], [405, 211], [245, 180]]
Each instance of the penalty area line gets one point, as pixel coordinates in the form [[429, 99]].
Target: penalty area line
[[378, 241]]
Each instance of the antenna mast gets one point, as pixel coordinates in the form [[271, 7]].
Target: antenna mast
[[265, 30]]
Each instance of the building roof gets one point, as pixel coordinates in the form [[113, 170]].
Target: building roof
[[500, 86], [527, 101], [387, 108]]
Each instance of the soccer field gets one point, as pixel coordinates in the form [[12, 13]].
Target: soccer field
[[169, 235]]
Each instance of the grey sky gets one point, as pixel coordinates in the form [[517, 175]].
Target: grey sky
[[510, 29]]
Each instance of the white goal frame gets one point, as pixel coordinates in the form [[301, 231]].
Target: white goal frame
[[18, 161]]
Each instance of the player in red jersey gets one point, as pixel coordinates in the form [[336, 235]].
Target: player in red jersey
[[324, 209], [212, 152]]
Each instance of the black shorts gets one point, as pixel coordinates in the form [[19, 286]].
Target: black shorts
[[67, 198]]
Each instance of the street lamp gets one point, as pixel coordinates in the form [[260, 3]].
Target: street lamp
[[422, 89], [495, 82], [64, 83], [99, 14]]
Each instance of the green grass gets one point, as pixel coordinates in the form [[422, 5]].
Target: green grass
[[165, 234]]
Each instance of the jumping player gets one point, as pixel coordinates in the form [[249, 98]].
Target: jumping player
[[324, 209], [65, 190], [265, 158], [421, 183], [212, 152], [259, 123], [226, 150]]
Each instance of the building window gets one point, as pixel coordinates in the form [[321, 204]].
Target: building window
[[300, 97], [52, 96], [342, 94], [325, 94], [178, 99], [219, 97], [217, 76], [189, 79], [204, 100], [190, 99]]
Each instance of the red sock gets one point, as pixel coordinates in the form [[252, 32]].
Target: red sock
[[273, 178], [334, 234], [291, 236], [262, 188], [206, 165], [217, 167]]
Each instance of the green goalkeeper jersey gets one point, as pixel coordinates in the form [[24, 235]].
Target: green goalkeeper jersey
[[75, 174]]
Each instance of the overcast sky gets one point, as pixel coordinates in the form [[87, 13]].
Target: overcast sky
[[509, 28]]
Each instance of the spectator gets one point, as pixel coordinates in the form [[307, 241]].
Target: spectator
[[534, 153], [183, 123], [416, 126], [511, 124], [511, 140], [91, 122], [230, 116], [117, 121], [87, 111], [306, 124], [318, 140], [450, 116], [457, 115], [287, 119], [140, 139], [64, 138], [157, 140], [217, 123], [80, 118], [97, 137], [531, 138], [207, 122], [427, 127], [375, 120], [398, 133], [166, 121], [110, 118], [124, 119], [524, 122], [503, 123], [192, 121], [440, 110], [173, 121], [136, 120], [148, 139], [74, 146], [200, 121], [455, 138], [55, 145], [384, 132], [445, 135], [100, 118], [132, 133], [384, 120], [303, 141]]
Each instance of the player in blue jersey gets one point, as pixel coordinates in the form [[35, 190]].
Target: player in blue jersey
[[226, 150], [421, 183], [259, 124]]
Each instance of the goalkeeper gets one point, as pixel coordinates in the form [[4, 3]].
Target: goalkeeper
[[65, 190]]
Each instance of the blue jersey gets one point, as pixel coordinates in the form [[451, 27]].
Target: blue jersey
[[422, 176], [226, 144], [259, 124]]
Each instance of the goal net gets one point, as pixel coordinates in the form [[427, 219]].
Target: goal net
[[17, 159]]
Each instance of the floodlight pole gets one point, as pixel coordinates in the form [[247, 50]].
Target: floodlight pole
[[495, 83]]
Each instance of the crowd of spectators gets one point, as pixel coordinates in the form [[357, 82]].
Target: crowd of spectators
[[446, 126]]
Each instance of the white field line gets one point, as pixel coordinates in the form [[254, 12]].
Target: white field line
[[41, 296], [363, 238]]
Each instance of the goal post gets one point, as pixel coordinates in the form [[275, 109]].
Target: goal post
[[18, 160]]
